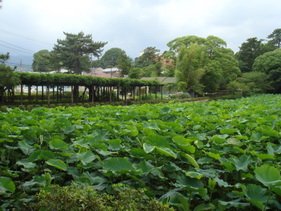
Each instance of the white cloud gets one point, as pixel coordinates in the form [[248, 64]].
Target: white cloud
[[136, 24]]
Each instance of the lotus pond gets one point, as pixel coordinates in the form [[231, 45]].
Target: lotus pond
[[216, 155]]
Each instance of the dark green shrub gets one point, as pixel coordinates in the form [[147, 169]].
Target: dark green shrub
[[3, 108], [71, 198], [75, 197]]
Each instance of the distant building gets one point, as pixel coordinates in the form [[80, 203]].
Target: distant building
[[113, 72]]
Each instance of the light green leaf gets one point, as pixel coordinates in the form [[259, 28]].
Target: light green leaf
[[242, 162], [181, 140], [264, 156], [114, 144], [57, 143], [256, 195], [57, 163], [25, 147], [157, 140], [26, 164], [184, 143], [221, 183], [148, 148], [7, 184], [228, 131], [166, 151], [216, 156], [193, 174], [268, 131], [268, 175], [219, 139], [176, 199], [191, 160]]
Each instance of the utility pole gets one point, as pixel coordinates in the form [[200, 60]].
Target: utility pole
[[20, 66]]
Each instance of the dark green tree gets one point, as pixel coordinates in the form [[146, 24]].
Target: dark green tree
[[150, 62], [7, 78], [149, 56], [270, 64], [4, 58], [42, 61], [116, 57], [76, 51], [275, 38], [248, 52]]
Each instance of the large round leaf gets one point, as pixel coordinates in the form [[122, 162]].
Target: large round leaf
[[268, 175], [57, 163], [7, 184], [117, 164]]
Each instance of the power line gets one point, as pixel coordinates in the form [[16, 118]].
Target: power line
[[27, 38], [15, 49], [16, 46]]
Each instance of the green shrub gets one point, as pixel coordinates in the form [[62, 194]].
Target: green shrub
[[75, 197]]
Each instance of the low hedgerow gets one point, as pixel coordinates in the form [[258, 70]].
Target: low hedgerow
[[76, 197]]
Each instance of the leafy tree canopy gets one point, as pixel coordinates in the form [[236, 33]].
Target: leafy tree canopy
[[250, 83], [148, 63], [42, 61], [75, 52], [250, 50], [270, 63], [204, 64]]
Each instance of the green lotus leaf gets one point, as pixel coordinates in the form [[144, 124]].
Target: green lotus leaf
[[57, 163]]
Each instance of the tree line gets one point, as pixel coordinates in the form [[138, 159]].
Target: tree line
[[200, 64]]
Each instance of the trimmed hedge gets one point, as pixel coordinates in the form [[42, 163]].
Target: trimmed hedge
[[43, 79]]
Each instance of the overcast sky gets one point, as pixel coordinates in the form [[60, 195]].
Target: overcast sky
[[32, 25]]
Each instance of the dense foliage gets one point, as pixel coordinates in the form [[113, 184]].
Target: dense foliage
[[204, 64], [205, 156], [42, 61], [248, 52]]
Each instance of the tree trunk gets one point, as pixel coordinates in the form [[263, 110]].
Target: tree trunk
[[2, 90]]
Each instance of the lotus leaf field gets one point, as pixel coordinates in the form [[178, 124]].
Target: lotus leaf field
[[217, 155]]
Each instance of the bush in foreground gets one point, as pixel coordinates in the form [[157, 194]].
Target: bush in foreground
[[75, 197]]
